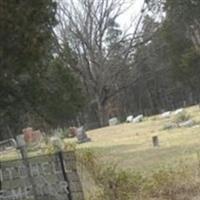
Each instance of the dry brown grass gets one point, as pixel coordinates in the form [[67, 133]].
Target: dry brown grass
[[130, 145], [169, 172]]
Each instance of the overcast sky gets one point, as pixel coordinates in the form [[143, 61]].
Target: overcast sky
[[134, 8], [131, 13]]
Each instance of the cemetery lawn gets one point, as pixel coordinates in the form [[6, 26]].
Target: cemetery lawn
[[130, 145]]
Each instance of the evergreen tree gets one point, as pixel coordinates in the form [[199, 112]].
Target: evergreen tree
[[181, 31], [35, 86]]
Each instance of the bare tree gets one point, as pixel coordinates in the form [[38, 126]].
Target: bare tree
[[85, 26]]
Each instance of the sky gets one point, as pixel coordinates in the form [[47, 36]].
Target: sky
[[125, 19], [131, 13]]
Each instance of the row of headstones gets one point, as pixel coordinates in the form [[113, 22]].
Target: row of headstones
[[131, 119], [168, 114], [184, 123], [35, 137]]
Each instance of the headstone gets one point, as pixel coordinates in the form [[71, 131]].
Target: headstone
[[81, 135], [178, 111], [27, 134], [31, 136], [187, 123], [169, 126], [72, 132], [129, 118], [166, 114], [113, 121], [20, 141], [37, 136], [155, 141], [196, 126], [137, 119]]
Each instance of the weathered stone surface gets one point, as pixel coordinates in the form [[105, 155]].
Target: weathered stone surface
[[155, 141], [137, 119], [81, 135], [187, 123], [40, 176], [129, 118], [31, 136], [166, 114], [169, 126], [113, 121], [179, 111]]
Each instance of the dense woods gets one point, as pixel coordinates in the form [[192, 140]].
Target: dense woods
[[70, 63]]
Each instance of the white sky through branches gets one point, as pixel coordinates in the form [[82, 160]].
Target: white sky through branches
[[131, 13]]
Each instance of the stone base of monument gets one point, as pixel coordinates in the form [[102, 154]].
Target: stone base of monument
[[113, 121]]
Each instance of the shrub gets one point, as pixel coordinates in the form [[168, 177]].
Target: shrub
[[180, 183], [115, 184]]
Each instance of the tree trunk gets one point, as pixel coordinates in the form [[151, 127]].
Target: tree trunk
[[101, 113]]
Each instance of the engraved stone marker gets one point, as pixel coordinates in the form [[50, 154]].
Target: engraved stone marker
[[53, 177]]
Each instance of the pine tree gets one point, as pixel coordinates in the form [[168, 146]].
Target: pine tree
[[33, 86]]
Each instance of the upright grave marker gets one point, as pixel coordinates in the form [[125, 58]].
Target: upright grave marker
[[155, 141]]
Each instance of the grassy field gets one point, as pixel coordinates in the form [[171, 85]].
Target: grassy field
[[168, 172], [130, 145]]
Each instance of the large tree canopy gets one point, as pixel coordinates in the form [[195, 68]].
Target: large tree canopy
[[181, 30], [35, 86]]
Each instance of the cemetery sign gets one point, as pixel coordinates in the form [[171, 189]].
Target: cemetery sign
[[51, 177]]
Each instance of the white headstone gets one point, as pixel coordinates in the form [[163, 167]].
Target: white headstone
[[187, 123], [196, 126], [166, 114], [137, 119], [129, 118], [113, 121], [178, 111], [169, 126], [20, 141]]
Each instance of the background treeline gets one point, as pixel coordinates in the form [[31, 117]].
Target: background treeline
[[152, 67]]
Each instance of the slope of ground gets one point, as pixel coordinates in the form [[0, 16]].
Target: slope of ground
[[168, 172], [130, 145]]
